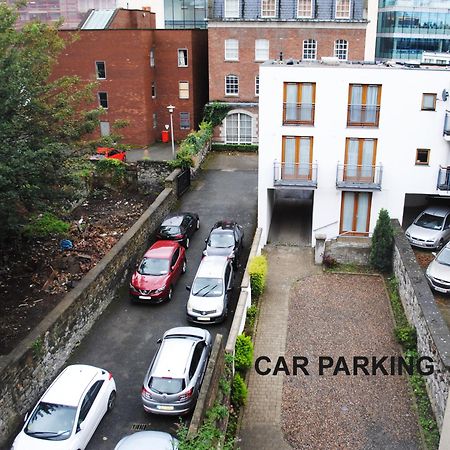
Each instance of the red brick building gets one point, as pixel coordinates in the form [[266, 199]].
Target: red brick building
[[140, 71]]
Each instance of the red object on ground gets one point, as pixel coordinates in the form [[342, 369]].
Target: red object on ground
[[103, 150], [164, 136]]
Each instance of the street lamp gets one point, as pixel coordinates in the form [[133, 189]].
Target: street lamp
[[171, 108]]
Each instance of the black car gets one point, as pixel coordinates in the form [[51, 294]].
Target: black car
[[179, 227], [225, 239]]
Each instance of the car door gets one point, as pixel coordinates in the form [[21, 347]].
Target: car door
[[190, 224], [446, 231], [196, 369], [175, 265]]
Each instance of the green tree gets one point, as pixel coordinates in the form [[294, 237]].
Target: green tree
[[382, 243], [41, 119]]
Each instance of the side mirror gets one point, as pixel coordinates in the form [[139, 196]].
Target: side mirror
[[229, 288], [206, 240], [204, 253], [188, 288], [81, 426], [433, 253], [159, 341]]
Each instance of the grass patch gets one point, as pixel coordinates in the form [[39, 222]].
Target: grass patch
[[349, 268]]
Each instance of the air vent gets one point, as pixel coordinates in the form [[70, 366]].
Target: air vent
[[140, 427]]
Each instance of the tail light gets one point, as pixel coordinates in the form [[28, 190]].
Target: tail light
[[146, 394], [178, 236], [186, 396], [109, 376]]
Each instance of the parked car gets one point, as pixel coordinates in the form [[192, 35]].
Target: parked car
[[148, 440], [225, 239], [179, 227], [69, 412], [175, 375], [109, 153], [158, 272], [431, 228], [438, 272], [210, 291]]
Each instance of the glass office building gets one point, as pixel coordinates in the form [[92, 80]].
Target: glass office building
[[185, 13], [407, 28]]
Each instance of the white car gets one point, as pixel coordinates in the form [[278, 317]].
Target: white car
[[154, 440], [438, 272], [69, 412]]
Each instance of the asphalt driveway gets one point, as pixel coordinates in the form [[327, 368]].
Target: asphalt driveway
[[123, 341]]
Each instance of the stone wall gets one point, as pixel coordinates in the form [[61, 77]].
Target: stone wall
[[25, 372], [433, 337], [151, 174], [349, 250]]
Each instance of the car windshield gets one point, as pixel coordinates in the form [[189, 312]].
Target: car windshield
[[221, 240], [207, 287], [166, 385], [430, 221], [444, 257], [51, 421], [169, 229], [154, 266]]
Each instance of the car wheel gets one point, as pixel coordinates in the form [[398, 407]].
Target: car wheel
[[111, 401], [187, 242], [169, 295], [183, 268], [198, 224]]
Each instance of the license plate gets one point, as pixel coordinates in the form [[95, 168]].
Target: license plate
[[165, 408], [440, 289], [203, 318], [145, 297]]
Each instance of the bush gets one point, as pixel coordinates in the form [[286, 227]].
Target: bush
[[45, 225], [234, 147], [243, 352], [407, 336], [238, 391], [329, 262], [111, 167], [382, 243], [258, 273], [251, 315]]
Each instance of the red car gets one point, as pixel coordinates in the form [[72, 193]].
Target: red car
[[157, 273], [109, 153]]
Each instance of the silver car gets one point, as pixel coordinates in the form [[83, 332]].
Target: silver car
[[431, 229], [210, 291], [438, 272], [176, 372], [152, 440]]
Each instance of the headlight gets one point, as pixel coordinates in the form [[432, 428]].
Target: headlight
[[189, 309], [133, 288], [407, 234], [161, 289]]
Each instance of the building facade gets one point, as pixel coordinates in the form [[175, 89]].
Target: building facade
[[242, 35], [140, 71], [407, 28], [353, 139]]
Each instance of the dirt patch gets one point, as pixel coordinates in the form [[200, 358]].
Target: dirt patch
[[423, 257], [35, 276]]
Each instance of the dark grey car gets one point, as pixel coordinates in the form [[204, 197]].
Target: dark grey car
[[176, 372]]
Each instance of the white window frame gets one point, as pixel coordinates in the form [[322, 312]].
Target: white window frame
[[231, 50], [155, 120], [309, 49], [188, 115], [257, 86], [152, 57], [229, 83], [107, 99], [338, 11], [183, 61], [183, 90], [153, 89], [304, 15], [225, 123], [231, 9], [341, 48], [262, 47], [96, 70], [269, 13], [105, 129]]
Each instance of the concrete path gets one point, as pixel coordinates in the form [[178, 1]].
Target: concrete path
[[155, 152], [261, 424]]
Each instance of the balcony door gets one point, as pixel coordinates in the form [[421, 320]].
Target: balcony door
[[297, 158], [355, 213], [360, 156]]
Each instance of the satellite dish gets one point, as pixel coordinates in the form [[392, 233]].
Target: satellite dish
[[444, 95]]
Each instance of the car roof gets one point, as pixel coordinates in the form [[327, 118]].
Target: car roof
[[162, 249], [142, 439], [225, 224], [437, 210], [212, 266], [174, 219], [173, 356], [70, 385]]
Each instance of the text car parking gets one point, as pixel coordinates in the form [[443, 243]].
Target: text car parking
[[175, 375], [438, 272], [69, 412], [157, 273], [179, 227]]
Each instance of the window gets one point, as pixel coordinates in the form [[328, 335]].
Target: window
[[153, 89], [231, 50], [309, 49], [231, 85], [268, 8], [297, 158], [342, 9], [304, 8], [104, 129], [422, 156], [103, 99], [261, 49], [364, 105], [185, 121], [88, 400], [355, 212], [152, 57], [182, 57], [238, 129], [155, 120], [100, 69], [428, 102], [360, 157], [231, 9], [341, 49], [299, 103], [257, 85], [183, 89]]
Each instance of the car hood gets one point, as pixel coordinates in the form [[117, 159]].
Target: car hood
[[25, 442], [423, 233], [148, 282], [437, 270], [219, 251], [206, 303]]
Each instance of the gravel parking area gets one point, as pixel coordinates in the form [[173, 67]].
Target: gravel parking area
[[344, 315]]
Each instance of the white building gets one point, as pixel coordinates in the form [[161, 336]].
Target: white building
[[356, 137]]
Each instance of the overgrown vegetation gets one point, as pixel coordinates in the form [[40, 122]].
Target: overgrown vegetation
[[243, 352], [234, 147], [328, 261], [215, 112], [250, 319], [406, 336], [45, 225], [112, 168], [382, 243], [239, 390], [258, 272]]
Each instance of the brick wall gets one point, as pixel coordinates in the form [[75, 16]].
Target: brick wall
[[133, 19]]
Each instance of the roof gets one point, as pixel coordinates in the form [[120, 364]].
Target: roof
[[98, 20], [173, 219], [225, 224], [440, 211], [70, 385], [173, 357], [162, 249], [212, 266]]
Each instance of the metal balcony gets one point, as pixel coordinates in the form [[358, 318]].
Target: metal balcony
[[363, 115], [300, 175], [298, 113], [447, 126], [443, 180], [359, 177]]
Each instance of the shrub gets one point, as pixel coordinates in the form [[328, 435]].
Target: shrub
[[251, 315], [238, 391], [45, 225], [329, 262], [111, 167], [243, 352], [407, 336], [258, 272], [382, 243]]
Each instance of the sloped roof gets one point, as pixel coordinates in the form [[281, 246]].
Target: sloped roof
[[98, 19]]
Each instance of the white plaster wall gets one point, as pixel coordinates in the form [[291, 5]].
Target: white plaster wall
[[403, 128], [371, 30]]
